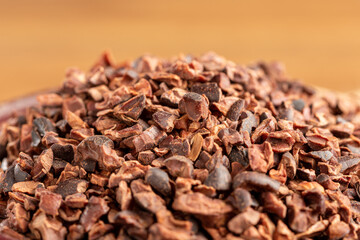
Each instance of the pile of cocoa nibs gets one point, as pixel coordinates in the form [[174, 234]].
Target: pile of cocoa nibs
[[188, 148]]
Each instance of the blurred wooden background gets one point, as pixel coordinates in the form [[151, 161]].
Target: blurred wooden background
[[319, 41]]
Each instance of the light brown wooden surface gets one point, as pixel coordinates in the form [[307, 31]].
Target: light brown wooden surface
[[319, 41]]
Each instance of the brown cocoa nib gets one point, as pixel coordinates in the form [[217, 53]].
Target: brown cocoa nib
[[165, 120], [45, 227], [42, 165], [179, 166], [95, 208], [97, 150], [194, 105], [187, 148], [71, 186], [199, 204], [255, 181], [131, 108], [49, 202], [210, 90], [243, 221], [158, 180]]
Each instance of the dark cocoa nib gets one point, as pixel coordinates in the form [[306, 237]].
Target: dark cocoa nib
[[235, 110], [183, 149], [159, 180], [194, 105], [210, 90]]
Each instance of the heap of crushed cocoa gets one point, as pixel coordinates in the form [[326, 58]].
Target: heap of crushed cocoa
[[192, 148]]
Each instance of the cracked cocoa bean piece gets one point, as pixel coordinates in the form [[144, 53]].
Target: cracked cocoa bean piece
[[129, 171], [235, 110], [297, 217], [241, 199], [283, 232], [95, 208], [199, 204], [18, 217], [240, 155], [131, 108], [123, 195], [219, 178], [248, 121], [261, 157], [179, 166], [337, 229], [45, 227], [255, 181], [281, 141], [146, 157], [145, 197], [20, 175], [290, 164], [315, 230], [63, 151], [7, 180], [117, 135], [180, 146], [165, 120], [230, 137], [159, 180], [194, 105], [315, 199], [76, 200], [49, 202], [196, 146], [210, 90], [25, 162], [306, 174], [348, 162], [27, 187], [148, 139], [243, 221], [97, 150], [71, 186], [42, 125], [188, 148], [42, 164], [272, 204], [172, 97], [263, 131]]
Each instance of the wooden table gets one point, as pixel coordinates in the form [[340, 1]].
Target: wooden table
[[318, 40]]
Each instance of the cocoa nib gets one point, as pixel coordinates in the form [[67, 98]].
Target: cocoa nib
[[97, 150], [179, 166], [159, 180], [71, 186], [49, 202], [348, 162], [199, 204], [42, 165], [145, 197], [243, 221], [94, 210], [241, 199], [165, 120], [131, 108], [186, 148], [261, 157], [255, 181], [48, 228], [219, 178], [194, 105], [235, 110], [210, 90]]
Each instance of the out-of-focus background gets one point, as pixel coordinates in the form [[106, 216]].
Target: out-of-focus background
[[319, 41]]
